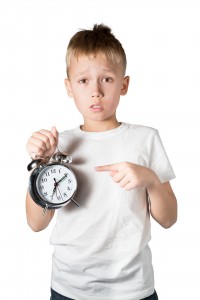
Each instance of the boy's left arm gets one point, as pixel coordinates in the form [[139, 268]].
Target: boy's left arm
[[163, 204]]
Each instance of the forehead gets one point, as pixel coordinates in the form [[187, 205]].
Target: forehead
[[86, 63]]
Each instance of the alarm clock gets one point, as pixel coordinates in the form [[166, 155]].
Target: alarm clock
[[52, 183]]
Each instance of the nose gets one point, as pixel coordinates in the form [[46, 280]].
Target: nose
[[96, 95], [96, 92]]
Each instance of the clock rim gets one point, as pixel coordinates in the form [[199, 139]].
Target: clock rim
[[33, 189]]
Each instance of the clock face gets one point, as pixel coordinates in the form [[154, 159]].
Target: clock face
[[56, 184]]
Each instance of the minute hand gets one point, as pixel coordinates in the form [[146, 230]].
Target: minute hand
[[62, 178]]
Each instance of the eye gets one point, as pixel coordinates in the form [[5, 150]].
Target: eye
[[82, 81], [107, 79]]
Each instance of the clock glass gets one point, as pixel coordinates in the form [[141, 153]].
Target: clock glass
[[56, 184]]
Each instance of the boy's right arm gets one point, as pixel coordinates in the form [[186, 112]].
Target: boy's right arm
[[34, 214], [42, 143]]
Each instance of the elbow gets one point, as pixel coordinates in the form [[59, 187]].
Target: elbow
[[169, 223], [34, 227]]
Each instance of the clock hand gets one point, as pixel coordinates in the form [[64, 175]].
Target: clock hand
[[62, 178], [55, 187], [60, 194]]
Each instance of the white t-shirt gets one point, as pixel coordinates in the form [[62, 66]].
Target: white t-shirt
[[101, 248]]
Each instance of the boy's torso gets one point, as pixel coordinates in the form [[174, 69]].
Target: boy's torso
[[101, 248]]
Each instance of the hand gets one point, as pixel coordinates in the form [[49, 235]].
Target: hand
[[129, 175], [42, 143]]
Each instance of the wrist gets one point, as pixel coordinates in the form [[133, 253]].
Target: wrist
[[154, 181]]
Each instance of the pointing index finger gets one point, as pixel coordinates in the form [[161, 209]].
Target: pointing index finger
[[105, 168]]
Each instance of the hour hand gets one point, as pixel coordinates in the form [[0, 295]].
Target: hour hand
[[55, 187]]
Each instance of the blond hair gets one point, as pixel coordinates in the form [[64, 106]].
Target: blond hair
[[99, 40]]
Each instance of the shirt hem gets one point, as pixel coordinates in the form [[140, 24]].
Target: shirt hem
[[76, 296]]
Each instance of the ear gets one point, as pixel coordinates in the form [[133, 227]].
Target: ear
[[125, 85], [68, 88]]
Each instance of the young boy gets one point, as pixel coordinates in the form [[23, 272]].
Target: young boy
[[101, 248]]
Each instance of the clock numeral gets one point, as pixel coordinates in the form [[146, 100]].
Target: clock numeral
[[69, 181], [59, 197], [44, 180], [53, 171], [45, 194], [68, 188], [41, 187], [65, 194], [47, 174]]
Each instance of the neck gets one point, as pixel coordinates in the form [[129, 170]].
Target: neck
[[99, 126]]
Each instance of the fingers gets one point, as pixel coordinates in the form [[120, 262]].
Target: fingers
[[54, 132], [112, 167], [121, 173], [122, 178], [43, 143], [104, 168]]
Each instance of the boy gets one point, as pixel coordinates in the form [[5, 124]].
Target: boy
[[101, 248]]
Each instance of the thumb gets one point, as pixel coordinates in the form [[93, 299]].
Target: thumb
[[54, 132]]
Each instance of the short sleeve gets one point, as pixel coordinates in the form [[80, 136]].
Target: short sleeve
[[158, 159]]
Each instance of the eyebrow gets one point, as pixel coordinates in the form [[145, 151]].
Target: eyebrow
[[107, 70]]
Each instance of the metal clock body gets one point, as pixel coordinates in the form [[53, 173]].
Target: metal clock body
[[52, 184]]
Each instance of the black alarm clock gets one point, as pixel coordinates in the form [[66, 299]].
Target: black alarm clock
[[52, 183]]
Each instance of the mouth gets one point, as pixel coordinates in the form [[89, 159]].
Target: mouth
[[96, 108]]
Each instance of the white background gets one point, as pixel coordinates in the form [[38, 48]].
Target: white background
[[162, 42]]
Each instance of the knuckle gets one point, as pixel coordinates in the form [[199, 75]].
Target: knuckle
[[46, 139], [126, 164], [42, 144], [29, 147], [40, 152], [54, 143], [35, 133]]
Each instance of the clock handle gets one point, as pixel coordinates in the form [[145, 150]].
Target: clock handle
[[62, 157], [34, 163]]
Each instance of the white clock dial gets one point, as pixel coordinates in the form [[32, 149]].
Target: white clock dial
[[56, 184]]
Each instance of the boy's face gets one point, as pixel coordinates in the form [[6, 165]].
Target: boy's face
[[96, 85]]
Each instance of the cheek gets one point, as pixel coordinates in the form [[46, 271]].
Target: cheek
[[78, 97], [113, 100], [80, 103], [114, 91]]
